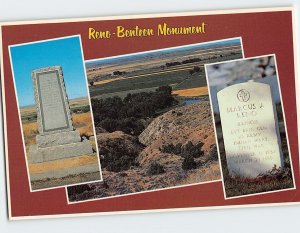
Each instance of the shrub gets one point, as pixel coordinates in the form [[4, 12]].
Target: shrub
[[117, 72], [171, 149], [188, 163], [79, 188], [192, 60], [127, 114], [155, 169], [189, 149], [116, 156], [192, 150], [116, 163], [169, 64]]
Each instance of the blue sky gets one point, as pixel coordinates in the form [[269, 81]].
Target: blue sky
[[65, 52]]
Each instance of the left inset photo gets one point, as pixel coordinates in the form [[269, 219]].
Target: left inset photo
[[55, 113]]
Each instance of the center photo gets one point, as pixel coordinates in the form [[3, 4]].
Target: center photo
[[153, 120]]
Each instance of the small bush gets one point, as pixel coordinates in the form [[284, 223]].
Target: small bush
[[79, 189], [188, 163], [155, 169], [192, 60], [171, 149], [114, 163], [127, 115], [117, 157], [191, 150]]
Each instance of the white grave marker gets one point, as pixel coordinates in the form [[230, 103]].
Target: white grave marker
[[249, 126]]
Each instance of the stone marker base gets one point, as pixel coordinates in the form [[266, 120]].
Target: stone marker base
[[57, 139], [44, 154]]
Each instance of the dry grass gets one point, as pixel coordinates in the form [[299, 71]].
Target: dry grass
[[83, 123], [62, 164], [30, 130], [209, 173], [239, 186], [190, 92], [86, 130], [106, 81], [79, 101], [25, 111], [68, 180], [81, 119]]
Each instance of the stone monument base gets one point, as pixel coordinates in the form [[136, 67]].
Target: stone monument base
[[57, 139], [44, 154], [58, 146]]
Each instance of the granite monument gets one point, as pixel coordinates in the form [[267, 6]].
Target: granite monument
[[57, 138]]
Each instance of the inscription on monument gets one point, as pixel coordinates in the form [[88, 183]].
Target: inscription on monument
[[249, 126], [53, 109]]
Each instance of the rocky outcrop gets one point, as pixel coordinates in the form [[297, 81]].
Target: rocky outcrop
[[188, 123], [108, 141], [183, 124]]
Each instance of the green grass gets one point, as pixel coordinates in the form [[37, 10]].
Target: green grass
[[150, 81], [195, 80]]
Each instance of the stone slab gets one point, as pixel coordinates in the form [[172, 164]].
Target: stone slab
[[39, 155], [250, 129], [53, 110], [57, 139]]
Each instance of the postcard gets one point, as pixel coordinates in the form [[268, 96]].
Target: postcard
[[145, 113]]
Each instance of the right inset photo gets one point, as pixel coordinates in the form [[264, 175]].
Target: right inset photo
[[250, 128]]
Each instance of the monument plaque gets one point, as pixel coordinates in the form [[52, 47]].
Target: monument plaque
[[57, 138], [53, 109], [250, 130], [51, 101]]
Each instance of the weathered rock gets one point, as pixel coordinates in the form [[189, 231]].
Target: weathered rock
[[188, 123], [107, 141]]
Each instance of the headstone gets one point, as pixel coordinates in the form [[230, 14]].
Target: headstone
[[250, 129], [57, 138]]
